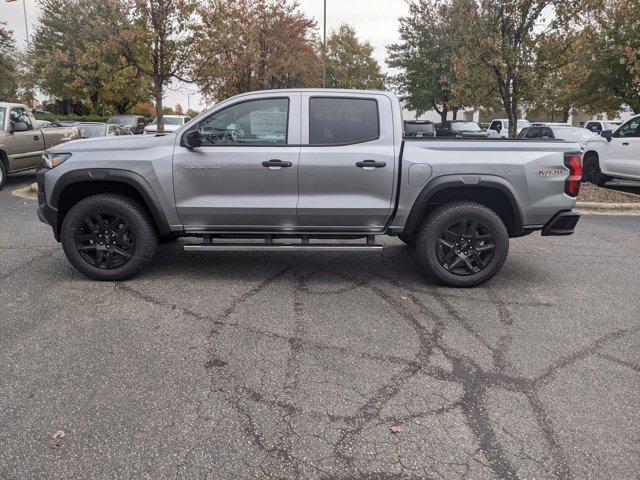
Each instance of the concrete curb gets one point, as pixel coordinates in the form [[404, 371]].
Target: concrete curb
[[595, 208]]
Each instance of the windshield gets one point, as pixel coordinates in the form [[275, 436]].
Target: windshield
[[418, 128], [89, 131], [523, 124], [123, 121], [466, 127], [169, 121], [3, 112], [573, 134]]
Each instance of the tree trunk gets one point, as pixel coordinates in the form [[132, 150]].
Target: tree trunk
[[443, 116], [565, 114], [512, 115], [455, 113], [157, 93]]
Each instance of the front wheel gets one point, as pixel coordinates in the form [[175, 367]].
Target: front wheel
[[108, 237], [3, 174], [462, 244]]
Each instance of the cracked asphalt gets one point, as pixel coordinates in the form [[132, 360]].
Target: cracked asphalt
[[256, 365]]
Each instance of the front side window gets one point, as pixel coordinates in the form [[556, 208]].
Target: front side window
[[629, 129], [338, 121], [256, 122], [19, 115]]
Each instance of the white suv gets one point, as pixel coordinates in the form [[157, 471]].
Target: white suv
[[614, 155], [499, 128]]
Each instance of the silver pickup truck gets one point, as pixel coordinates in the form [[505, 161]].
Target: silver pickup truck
[[296, 170], [22, 143]]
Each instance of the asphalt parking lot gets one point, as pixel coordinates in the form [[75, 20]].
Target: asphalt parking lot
[[320, 366]]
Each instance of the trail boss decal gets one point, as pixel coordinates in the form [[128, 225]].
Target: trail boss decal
[[554, 172]]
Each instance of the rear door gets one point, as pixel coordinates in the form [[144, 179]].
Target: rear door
[[245, 174], [347, 161]]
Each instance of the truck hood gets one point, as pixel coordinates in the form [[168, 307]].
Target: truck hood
[[128, 142]]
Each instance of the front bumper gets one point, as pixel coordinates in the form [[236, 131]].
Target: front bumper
[[46, 213], [562, 223]]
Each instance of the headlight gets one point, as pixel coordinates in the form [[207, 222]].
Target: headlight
[[52, 160]]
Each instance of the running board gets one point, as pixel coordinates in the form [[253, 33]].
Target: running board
[[305, 245], [238, 247]]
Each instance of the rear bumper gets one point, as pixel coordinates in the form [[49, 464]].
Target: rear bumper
[[46, 213], [562, 223]]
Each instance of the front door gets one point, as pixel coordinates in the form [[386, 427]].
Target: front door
[[623, 152], [347, 162], [26, 147], [245, 174]]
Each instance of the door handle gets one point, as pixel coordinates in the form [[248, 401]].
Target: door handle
[[275, 163], [370, 164], [36, 137], [625, 143]]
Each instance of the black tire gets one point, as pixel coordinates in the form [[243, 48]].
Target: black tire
[[408, 238], [3, 174], [482, 249], [592, 171], [124, 226]]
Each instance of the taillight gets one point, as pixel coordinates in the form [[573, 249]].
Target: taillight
[[573, 161]]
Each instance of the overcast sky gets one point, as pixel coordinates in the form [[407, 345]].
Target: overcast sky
[[374, 20]]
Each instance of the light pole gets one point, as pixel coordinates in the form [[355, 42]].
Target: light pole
[[324, 47], [26, 25]]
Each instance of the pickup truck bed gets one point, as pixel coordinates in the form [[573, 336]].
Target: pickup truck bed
[[305, 165]]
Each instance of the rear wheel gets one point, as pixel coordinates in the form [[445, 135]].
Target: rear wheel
[[462, 244], [108, 237], [593, 173]]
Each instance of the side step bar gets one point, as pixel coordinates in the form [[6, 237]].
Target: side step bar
[[270, 246], [239, 247]]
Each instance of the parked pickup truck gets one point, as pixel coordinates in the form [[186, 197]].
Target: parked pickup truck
[[296, 169], [615, 154], [22, 142]]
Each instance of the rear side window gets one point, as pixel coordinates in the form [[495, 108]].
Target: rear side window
[[497, 126], [343, 120]]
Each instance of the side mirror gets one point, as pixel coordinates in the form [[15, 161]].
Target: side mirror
[[19, 127], [607, 134], [192, 139]]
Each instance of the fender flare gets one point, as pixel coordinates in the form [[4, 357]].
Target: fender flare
[[132, 179], [462, 181]]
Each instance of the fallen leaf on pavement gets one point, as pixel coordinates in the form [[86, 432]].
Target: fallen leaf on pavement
[[54, 439], [404, 297], [397, 428]]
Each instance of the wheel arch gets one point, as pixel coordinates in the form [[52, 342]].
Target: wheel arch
[[4, 158], [76, 185], [493, 192]]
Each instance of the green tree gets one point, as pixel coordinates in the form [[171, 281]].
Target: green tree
[[248, 45], [506, 40], [350, 63], [611, 53], [8, 65], [427, 56], [73, 59], [158, 41]]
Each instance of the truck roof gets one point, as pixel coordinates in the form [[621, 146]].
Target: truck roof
[[11, 105]]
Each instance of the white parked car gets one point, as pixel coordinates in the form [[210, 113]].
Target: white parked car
[[171, 124], [499, 128], [614, 154]]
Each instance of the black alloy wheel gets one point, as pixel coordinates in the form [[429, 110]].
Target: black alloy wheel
[[465, 247], [105, 240], [109, 236]]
